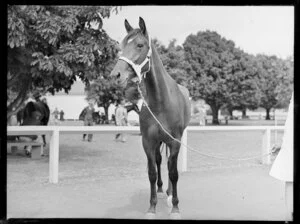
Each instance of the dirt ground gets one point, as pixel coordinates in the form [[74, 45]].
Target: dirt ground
[[108, 179]]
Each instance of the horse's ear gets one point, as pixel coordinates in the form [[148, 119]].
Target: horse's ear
[[142, 25], [127, 26]]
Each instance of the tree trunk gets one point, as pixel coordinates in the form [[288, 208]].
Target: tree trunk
[[244, 115], [230, 113], [17, 103], [106, 113], [268, 113], [215, 111], [14, 106]]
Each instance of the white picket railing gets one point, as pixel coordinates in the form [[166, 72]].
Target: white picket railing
[[54, 132]]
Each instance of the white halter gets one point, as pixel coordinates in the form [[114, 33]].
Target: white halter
[[138, 68]]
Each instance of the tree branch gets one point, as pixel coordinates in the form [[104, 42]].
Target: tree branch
[[12, 79]]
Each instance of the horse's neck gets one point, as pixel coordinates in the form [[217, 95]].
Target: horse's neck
[[156, 81]]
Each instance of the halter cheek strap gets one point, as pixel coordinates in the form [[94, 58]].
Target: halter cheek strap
[[138, 67]]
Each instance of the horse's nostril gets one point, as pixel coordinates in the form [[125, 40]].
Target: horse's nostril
[[119, 75]]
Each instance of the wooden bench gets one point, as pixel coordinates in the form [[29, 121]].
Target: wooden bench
[[35, 154]]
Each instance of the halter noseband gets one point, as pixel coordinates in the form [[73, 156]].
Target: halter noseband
[[138, 67]]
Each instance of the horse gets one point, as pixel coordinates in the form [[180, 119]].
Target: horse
[[35, 113], [165, 112]]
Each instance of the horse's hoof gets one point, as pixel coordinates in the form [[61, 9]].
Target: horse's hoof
[[150, 215], [160, 195], [169, 201], [175, 215]]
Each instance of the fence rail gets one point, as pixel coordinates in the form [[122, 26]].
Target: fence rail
[[54, 132]]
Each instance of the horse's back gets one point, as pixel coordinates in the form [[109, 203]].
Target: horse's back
[[37, 106]]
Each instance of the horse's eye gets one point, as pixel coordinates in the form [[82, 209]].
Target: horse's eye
[[140, 45]]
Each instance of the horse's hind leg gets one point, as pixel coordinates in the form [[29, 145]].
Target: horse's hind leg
[[44, 140], [158, 164]]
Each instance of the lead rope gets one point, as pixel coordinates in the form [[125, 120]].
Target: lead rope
[[189, 147]]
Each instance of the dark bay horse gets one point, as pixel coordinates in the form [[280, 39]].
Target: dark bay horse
[[34, 113], [168, 102]]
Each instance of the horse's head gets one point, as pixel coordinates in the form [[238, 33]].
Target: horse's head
[[135, 54]]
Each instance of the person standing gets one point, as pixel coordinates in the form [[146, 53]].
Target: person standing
[[202, 114], [282, 168], [88, 119], [61, 115], [56, 113], [111, 112], [121, 119]]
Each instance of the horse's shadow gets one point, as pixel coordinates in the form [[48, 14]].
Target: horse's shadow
[[138, 206]]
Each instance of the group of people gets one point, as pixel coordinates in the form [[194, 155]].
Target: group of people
[[120, 116], [57, 113]]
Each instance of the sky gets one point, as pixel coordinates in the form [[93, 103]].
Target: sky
[[255, 29]]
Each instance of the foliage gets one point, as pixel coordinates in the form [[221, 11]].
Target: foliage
[[276, 81], [285, 85], [49, 46], [104, 89], [243, 90], [220, 73]]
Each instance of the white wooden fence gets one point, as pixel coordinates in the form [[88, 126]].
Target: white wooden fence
[[55, 131]]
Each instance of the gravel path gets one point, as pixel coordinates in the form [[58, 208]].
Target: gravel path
[[105, 179]]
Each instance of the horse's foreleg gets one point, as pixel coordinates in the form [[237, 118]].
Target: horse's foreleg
[[152, 174], [158, 164], [173, 175], [150, 148]]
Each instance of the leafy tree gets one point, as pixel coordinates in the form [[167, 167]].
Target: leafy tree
[[49, 46], [219, 72], [243, 89], [275, 83], [103, 89], [285, 85]]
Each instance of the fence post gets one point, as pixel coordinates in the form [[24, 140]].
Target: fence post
[[266, 146], [54, 156], [182, 161]]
